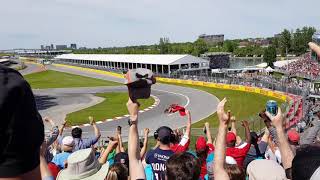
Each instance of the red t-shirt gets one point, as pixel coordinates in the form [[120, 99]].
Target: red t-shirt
[[183, 145], [239, 154], [204, 164]]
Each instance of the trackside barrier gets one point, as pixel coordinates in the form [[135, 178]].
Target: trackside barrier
[[91, 70], [265, 92]]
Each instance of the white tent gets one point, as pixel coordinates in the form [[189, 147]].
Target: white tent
[[262, 65], [269, 69]]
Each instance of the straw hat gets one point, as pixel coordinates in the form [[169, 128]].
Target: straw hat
[[83, 165]]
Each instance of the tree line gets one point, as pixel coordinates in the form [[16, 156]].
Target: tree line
[[292, 42]]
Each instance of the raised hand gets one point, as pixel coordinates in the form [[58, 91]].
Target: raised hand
[[133, 109], [224, 118], [91, 120], [277, 120], [64, 123], [207, 125], [314, 47], [245, 123], [146, 131], [112, 144]]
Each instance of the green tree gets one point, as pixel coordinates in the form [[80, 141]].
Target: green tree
[[164, 45], [285, 42], [230, 46], [200, 47], [270, 55]]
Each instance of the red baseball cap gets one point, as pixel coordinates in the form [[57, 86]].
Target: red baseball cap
[[201, 143], [231, 137], [293, 136]]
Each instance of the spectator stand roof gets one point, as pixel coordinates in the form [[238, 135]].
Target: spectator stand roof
[[136, 58]]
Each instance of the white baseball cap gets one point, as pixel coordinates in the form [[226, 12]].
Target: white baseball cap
[[68, 141]]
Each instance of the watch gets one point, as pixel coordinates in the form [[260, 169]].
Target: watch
[[130, 122]]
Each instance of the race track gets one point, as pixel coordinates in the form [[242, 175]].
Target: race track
[[58, 102]]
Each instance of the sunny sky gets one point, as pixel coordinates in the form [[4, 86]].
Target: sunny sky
[[106, 23]]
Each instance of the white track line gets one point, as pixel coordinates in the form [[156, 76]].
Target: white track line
[[188, 100]]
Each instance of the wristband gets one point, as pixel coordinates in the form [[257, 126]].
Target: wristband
[[130, 122]]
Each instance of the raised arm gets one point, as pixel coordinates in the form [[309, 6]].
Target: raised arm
[[120, 143], [208, 133], [245, 124], [104, 156], [44, 170], [220, 148], [284, 147], [62, 127], [314, 47], [97, 133], [265, 136], [188, 128], [136, 169], [233, 125], [53, 134], [145, 143]]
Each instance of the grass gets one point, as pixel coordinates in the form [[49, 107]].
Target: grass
[[112, 106], [55, 79]]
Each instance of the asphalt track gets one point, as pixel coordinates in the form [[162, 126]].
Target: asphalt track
[[60, 101]]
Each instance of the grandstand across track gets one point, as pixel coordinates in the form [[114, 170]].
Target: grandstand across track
[[200, 103]]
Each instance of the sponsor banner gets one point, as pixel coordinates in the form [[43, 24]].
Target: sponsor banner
[[221, 86], [249, 89], [234, 87], [265, 92], [207, 84]]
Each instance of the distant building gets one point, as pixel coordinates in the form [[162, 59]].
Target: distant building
[[52, 47], [263, 42], [73, 46], [277, 35], [212, 39], [61, 47], [243, 44], [42, 47], [82, 47], [48, 48]]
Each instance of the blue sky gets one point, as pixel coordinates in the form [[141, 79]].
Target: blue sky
[[106, 23]]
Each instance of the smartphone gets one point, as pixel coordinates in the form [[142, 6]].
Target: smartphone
[[119, 129], [272, 107], [205, 130]]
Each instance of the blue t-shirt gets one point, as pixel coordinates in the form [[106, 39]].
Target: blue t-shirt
[[157, 158], [81, 143], [60, 158]]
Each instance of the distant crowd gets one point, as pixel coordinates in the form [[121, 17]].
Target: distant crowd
[[304, 66]]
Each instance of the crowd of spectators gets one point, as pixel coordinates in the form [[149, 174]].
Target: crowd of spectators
[[26, 153], [304, 66]]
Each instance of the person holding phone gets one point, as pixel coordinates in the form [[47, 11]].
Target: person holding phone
[[181, 144]]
